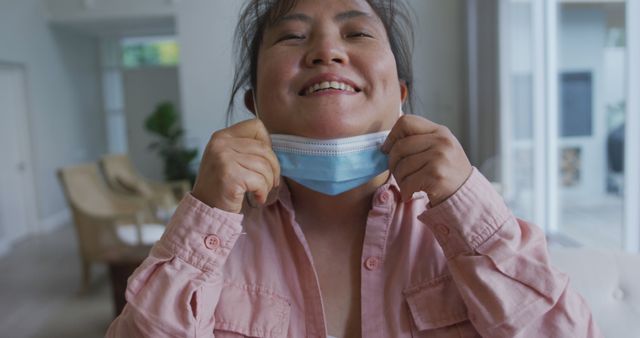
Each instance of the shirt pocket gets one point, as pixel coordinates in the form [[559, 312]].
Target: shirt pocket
[[251, 311], [437, 310]]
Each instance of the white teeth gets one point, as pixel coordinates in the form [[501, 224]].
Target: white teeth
[[329, 85]]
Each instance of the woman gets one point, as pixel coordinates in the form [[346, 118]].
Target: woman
[[294, 229]]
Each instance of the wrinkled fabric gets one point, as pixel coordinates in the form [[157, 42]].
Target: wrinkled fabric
[[465, 268]]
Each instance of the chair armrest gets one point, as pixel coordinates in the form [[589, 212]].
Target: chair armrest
[[177, 188], [135, 217]]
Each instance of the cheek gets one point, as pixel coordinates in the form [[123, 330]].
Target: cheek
[[390, 74], [276, 72], [382, 72]]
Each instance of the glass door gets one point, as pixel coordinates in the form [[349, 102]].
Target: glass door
[[568, 123]]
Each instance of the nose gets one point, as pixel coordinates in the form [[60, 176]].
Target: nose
[[326, 50]]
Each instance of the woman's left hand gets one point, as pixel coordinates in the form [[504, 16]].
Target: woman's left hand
[[425, 156]]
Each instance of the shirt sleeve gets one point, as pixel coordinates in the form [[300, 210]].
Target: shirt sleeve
[[174, 292], [501, 268]]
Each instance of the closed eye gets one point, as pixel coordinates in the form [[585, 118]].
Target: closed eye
[[359, 35], [291, 37]]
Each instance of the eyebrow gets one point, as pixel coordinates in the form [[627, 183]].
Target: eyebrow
[[344, 16]]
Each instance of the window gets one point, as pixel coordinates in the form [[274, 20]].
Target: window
[[149, 51], [568, 114]]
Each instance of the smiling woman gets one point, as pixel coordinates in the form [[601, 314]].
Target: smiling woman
[[334, 214]]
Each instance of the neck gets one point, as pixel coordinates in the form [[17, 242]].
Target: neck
[[319, 212]]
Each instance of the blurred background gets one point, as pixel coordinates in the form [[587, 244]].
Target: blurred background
[[106, 105]]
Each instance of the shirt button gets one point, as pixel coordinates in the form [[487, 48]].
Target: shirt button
[[443, 229], [212, 242], [372, 263], [385, 197]]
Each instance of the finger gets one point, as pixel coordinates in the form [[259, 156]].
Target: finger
[[408, 125], [258, 148], [253, 129], [417, 181], [259, 165], [408, 146], [254, 183], [410, 165]]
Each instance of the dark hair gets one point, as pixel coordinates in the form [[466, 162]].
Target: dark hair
[[256, 15]]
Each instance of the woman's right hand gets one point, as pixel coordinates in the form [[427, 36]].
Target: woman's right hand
[[237, 160]]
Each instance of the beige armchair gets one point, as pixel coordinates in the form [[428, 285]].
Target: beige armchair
[[108, 226], [123, 178], [609, 282]]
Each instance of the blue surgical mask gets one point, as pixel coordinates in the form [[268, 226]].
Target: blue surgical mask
[[331, 166]]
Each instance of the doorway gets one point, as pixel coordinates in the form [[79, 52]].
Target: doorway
[[17, 198]]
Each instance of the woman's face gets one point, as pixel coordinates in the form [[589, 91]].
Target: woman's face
[[339, 44]]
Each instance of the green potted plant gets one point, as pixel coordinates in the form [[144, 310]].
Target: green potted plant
[[164, 122]]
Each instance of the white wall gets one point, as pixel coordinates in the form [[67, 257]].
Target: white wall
[[66, 121], [205, 31], [205, 34], [439, 63]]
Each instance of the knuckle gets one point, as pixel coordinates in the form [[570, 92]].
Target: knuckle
[[446, 140], [438, 154], [219, 134], [234, 191], [405, 120], [437, 174], [216, 143]]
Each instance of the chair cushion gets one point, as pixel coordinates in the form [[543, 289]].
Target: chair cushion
[[608, 281], [151, 233]]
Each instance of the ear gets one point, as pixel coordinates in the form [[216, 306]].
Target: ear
[[248, 101], [404, 91]]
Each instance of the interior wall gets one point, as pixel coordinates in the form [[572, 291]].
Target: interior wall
[[439, 63], [487, 101], [61, 10], [205, 31], [66, 121]]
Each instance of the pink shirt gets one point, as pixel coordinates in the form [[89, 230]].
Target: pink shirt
[[465, 268]]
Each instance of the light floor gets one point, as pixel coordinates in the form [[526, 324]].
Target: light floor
[[39, 285]]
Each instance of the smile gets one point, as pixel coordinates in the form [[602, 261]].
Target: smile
[[326, 85]]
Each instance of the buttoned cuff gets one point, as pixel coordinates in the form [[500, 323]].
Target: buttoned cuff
[[468, 218], [200, 235]]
